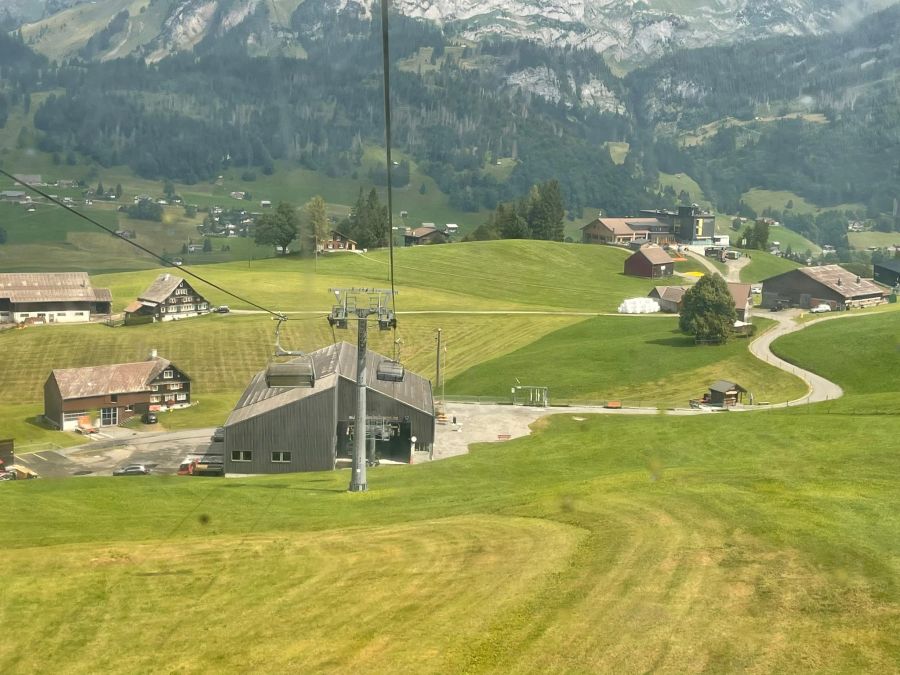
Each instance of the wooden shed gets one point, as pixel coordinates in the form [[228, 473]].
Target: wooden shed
[[725, 394], [651, 262]]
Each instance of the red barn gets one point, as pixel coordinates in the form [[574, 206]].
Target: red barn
[[651, 262]]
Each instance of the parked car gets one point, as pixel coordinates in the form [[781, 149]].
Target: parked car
[[132, 470], [823, 307], [149, 418], [218, 435], [777, 307], [223, 309]]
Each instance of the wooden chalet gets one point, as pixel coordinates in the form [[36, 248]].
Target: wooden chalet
[[168, 298], [337, 242], [100, 396]]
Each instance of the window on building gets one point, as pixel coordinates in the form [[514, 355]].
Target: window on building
[[154, 387], [174, 387], [172, 301], [281, 456], [168, 374], [113, 398], [181, 397], [154, 399], [129, 408], [241, 455], [169, 397]]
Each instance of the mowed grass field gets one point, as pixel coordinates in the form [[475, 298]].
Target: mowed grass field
[[762, 541], [493, 275], [642, 361], [764, 265]]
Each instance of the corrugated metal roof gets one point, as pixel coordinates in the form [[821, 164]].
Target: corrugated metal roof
[[337, 360], [841, 281], [161, 288], [120, 378], [51, 287]]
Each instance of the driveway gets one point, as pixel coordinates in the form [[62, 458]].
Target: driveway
[[162, 452]]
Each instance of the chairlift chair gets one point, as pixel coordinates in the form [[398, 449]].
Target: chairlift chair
[[390, 371], [297, 372]]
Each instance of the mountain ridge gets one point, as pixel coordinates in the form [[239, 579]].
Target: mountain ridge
[[627, 31]]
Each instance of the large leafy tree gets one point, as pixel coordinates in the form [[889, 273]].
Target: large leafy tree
[[278, 228], [708, 311]]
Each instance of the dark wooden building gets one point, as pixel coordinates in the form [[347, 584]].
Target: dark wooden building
[[651, 262], [109, 395], [66, 297], [168, 298], [281, 430], [725, 394], [829, 284], [888, 272], [424, 235]]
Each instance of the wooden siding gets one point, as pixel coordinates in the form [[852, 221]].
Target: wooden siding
[[306, 428], [53, 402]]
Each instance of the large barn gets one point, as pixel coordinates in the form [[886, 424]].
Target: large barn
[[281, 430], [830, 284], [63, 297]]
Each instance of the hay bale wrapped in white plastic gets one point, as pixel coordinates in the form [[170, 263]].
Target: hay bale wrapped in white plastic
[[639, 306]]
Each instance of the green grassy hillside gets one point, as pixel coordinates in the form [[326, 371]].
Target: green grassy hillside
[[721, 543], [513, 274], [643, 361], [764, 265]]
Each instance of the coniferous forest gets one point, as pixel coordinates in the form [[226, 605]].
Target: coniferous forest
[[819, 116]]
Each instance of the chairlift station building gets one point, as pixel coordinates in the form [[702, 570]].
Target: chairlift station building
[[287, 429]]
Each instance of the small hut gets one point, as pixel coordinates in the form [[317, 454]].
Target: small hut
[[725, 394]]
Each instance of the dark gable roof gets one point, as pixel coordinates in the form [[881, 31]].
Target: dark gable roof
[[655, 254], [120, 378], [892, 265], [51, 287], [332, 362], [164, 285], [724, 386]]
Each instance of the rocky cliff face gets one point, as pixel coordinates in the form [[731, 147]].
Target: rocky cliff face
[[624, 30], [634, 29]]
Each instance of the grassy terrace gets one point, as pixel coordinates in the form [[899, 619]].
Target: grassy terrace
[[494, 275], [641, 361], [761, 541], [764, 265]]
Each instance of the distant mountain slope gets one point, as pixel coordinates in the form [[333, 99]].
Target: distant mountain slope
[[624, 30]]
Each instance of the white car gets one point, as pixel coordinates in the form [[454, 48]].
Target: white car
[[818, 309]]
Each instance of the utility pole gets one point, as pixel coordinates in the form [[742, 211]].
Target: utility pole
[[374, 303], [437, 368]]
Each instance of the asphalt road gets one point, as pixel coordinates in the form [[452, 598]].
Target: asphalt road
[[161, 452]]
